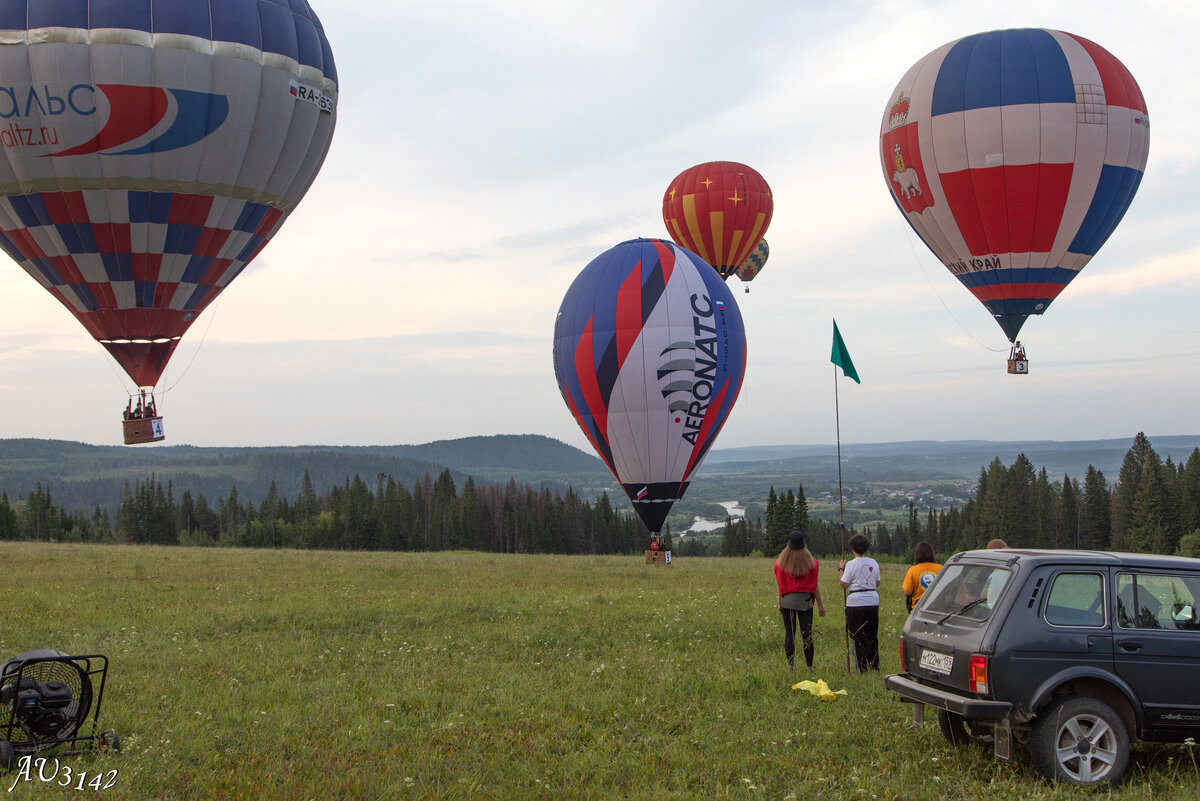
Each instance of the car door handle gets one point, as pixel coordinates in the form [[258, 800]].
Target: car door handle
[[1132, 646]]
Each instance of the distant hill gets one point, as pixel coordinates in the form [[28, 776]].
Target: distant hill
[[81, 476], [929, 460]]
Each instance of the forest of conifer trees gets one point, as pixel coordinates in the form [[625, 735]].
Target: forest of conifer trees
[[1153, 506]]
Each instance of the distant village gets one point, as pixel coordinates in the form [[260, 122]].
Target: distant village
[[926, 495]]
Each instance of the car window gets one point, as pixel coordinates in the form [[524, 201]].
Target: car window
[[1076, 599], [1158, 601], [970, 591]]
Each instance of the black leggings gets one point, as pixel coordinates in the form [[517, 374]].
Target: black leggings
[[790, 618], [863, 624]]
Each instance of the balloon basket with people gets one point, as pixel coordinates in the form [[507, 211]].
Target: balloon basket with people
[[142, 423], [1017, 363], [658, 553]]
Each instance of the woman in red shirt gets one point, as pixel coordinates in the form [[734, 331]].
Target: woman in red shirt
[[796, 575]]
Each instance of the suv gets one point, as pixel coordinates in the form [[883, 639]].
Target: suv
[[1075, 653]]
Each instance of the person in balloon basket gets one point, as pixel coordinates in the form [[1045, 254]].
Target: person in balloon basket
[[860, 580], [796, 572]]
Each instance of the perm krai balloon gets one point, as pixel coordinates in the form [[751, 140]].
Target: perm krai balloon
[[153, 148], [720, 211], [1014, 154], [649, 354]]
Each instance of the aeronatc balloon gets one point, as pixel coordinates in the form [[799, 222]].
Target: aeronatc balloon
[[153, 148], [1014, 154], [720, 211], [649, 354]]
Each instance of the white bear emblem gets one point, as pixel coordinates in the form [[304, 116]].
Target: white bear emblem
[[910, 184]]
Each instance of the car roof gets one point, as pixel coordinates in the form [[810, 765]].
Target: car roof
[[1034, 557]]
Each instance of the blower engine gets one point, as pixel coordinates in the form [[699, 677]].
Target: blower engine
[[45, 698]]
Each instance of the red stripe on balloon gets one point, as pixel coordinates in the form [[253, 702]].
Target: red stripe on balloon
[[585, 371], [629, 312], [1017, 291], [1008, 209], [1120, 89]]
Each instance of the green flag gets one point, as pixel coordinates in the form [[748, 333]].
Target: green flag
[[841, 356]]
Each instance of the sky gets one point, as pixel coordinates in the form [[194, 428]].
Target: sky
[[486, 151]]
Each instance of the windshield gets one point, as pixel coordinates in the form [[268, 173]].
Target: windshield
[[966, 591]]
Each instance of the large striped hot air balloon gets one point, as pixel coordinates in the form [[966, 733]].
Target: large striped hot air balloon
[[720, 211], [649, 354], [1014, 154], [152, 149]]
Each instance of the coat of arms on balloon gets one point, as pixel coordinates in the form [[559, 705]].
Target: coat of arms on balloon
[[164, 150]]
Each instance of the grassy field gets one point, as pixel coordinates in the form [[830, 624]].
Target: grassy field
[[294, 675]]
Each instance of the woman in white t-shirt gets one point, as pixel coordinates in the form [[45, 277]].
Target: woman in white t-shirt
[[860, 580]]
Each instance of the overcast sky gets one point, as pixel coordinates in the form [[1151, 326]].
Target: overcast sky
[[486, 151]]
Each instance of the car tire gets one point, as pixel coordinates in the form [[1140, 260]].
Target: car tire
[[1080, 740], [958, 731]]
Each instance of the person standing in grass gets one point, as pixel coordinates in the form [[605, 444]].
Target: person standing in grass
[[920, 575], [796, 572], [860, 580]]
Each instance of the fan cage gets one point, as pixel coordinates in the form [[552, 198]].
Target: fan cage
[[41, 670]]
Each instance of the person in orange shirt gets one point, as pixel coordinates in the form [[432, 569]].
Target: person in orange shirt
[[920, 575], [796, 573]]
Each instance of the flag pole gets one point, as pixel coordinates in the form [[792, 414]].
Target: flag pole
[[837, 418]]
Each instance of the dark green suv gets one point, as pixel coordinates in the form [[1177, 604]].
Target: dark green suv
[[1075, 653]]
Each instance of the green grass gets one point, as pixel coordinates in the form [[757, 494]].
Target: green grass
[[294, 675]]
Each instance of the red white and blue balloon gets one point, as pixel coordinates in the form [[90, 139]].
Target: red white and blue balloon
[[1014, 154], [649, 354], [152, 148]]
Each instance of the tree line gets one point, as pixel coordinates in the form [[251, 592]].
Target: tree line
[[434, 514], [1153, 507]]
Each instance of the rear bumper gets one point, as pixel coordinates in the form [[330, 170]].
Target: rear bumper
[[967, 706]]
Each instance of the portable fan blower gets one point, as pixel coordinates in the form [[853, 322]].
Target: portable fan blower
[[45, 698]]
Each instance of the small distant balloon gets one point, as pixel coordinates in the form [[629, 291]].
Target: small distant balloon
[[649, 355], [720, 211], [755, 262]]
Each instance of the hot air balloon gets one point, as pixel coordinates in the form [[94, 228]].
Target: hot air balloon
[[153, 148], [1014, 154], [649, 354], [754, 263], [719, 211]]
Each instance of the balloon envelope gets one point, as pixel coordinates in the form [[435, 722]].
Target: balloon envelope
[[1014, 154], [754, 263], [649, 354], [153, 147], [718, 210]]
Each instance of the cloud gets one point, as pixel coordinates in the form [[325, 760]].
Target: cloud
[[1176, 270]]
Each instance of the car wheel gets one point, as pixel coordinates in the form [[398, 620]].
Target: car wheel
[[1079, 740], [957, 730]]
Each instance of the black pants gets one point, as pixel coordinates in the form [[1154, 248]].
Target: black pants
[[790, 618], [863, 624]]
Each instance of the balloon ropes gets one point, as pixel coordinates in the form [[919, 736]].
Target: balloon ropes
[[720, 211], [649, 354], [153, 149], [1013, 155]]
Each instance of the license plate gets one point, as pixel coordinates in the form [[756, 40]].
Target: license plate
[[936, 662]]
